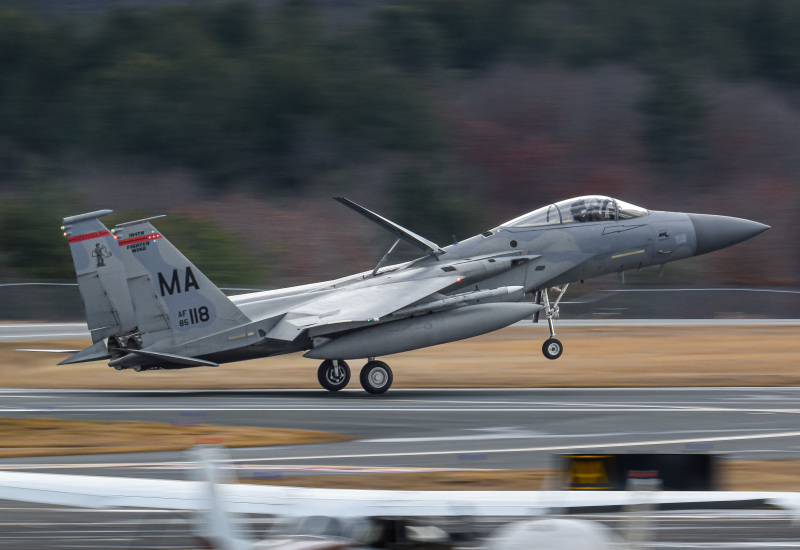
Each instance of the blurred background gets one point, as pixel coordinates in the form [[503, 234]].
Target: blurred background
[[240, 119]]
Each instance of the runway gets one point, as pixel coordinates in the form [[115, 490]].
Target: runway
[[21, 332], [46, 528], [498, 428], [412, 430]]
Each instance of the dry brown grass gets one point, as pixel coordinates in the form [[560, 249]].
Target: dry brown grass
[[772, 475], [46, 437], [462, 480], [611, 356], [761, 475]]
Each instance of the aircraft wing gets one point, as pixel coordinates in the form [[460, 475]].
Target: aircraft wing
[[115, 492], [357, 304]]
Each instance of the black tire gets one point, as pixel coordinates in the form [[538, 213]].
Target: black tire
[[376, 377], [332, 378], [552, 348]]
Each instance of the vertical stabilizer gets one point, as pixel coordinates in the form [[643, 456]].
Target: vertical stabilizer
[[101, 275], [214, 522], [173, 300]]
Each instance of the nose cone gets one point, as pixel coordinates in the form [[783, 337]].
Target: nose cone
[[716, 232]]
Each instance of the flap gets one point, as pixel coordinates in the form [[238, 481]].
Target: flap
[[357, 305]]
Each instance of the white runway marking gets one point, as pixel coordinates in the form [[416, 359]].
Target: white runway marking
[[55, 331], [604, 445], [201, 391], [514, 434], [554, 409], [757, 545], [500, 434]]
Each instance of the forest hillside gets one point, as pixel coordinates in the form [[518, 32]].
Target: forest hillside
[[240, 119]]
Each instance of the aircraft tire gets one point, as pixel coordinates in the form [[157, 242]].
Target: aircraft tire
[[552, 348], [331, 378], [376, 377]]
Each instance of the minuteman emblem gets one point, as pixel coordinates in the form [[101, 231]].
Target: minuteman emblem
[[100, 252]]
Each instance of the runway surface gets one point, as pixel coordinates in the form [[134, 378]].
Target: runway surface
[[20, 332], [497, 428], [409, 430], [45, 528]]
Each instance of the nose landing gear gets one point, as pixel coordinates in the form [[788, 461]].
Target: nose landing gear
[[552, 347]]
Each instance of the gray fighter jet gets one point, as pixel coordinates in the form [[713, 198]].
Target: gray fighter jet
[[148, 307]]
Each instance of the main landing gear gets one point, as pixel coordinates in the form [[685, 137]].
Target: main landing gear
[[333, 374], [376, 376], [552, 347]]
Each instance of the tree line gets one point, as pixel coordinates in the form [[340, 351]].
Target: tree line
[[228, 88], [217, 86]]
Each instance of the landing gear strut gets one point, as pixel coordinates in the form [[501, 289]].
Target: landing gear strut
[[376, 377], [552, 347], [333, 374]]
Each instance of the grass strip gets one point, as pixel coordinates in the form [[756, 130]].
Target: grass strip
[[48, 437], [755, 475], [594, 357]]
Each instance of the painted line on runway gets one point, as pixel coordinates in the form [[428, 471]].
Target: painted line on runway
[[350, 392], [612, 409], [756, 545], [556, 404], [583, 447], [485, 437], [544, 448], [502, 434], [606, 445], [555, 408], [347, 392]]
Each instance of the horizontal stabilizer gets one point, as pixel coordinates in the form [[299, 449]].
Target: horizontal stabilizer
[[400, 232], [95, 352], [166, 357]]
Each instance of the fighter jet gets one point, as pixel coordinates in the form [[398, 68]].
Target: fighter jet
[[148, 307]]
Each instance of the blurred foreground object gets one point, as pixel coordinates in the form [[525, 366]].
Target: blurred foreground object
[[338, 518]]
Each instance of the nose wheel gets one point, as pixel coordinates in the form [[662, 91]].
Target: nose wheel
[[552, 347], [376, 377], [333, 374]]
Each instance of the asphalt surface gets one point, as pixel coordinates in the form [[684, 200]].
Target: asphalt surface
[[410, 430], [492, 428], [38, 527]]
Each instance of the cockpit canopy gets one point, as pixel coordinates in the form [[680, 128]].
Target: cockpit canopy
[[590, 208]]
